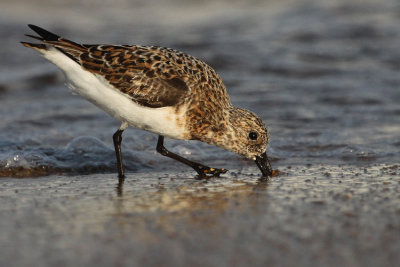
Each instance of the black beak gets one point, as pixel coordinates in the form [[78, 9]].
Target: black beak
[[264, 165]]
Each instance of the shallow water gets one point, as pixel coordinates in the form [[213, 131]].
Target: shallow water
[[323, 75], [313, 216]]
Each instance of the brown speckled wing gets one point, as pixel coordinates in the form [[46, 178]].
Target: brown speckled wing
[[142, 73], [149, 75]]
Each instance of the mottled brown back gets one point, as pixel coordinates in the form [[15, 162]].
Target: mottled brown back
[[151, 76]]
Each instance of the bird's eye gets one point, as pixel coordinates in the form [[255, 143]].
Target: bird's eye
[[253, 136]]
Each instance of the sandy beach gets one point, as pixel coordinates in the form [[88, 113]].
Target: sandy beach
[[323, 75]]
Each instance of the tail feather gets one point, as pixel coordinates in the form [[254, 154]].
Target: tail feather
[[51, 38], [35, 46], [35, 37], [46, 35], [69, 48]]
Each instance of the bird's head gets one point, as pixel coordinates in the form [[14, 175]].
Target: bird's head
[[247, 135]]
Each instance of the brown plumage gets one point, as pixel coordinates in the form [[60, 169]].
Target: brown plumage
[[150, 75], [157, 77]]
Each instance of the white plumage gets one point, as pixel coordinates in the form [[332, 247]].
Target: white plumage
[[164, 120]]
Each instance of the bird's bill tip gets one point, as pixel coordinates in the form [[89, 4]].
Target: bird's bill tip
[[264, 165]]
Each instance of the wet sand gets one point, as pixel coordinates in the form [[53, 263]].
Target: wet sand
[[312, 216], [324, 77]]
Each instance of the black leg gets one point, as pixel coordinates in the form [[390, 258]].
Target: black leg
[[117, 137], [203, 171]]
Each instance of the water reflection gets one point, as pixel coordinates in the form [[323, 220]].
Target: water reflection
[[120, 187], [183, 195]]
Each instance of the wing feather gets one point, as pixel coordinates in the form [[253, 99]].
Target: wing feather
[[149, 75], [136, 75]]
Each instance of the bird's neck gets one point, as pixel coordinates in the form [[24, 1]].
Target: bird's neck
[[224, 134]]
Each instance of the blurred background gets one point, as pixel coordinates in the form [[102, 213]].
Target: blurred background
[[324, 77]]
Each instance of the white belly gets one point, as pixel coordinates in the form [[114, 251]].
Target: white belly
[[163, 121]]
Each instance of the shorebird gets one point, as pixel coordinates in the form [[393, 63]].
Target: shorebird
[[160, 90]]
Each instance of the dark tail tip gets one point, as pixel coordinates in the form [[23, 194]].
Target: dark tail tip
[[34, 37], [46, 35]]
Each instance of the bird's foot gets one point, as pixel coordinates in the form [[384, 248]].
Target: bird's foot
[[207, 172]]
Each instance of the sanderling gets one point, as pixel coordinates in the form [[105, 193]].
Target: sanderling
[[160, 90]]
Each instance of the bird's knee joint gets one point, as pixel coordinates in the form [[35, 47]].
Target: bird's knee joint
[[162, 151]]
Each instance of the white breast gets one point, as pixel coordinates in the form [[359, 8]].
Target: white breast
[[164, 121]]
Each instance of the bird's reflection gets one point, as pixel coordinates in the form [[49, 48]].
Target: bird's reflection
[[120, 187], [261, 184], [263, 180]]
